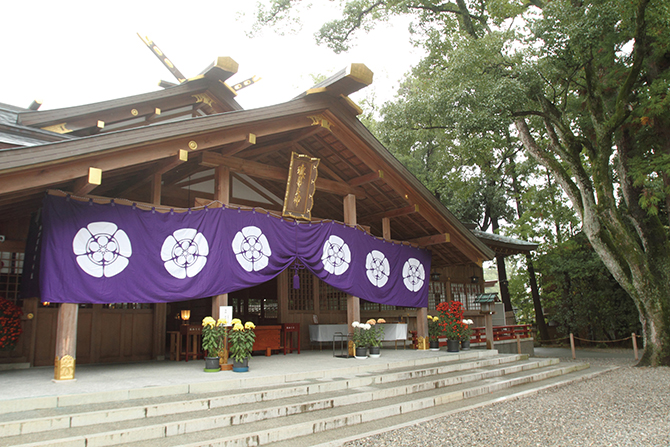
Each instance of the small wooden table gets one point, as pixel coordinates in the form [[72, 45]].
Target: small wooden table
[[290, 328], [191, 344]]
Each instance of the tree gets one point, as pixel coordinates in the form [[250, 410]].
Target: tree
[[582, 295], [585, 85]]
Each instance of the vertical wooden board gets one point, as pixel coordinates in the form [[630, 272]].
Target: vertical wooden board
[[110, 331], [45, 348], [142, 340], [84, 336], [126, 335]]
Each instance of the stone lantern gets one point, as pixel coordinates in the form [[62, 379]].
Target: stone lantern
[[487, 304]]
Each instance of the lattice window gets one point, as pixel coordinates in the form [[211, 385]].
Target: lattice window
[[331, 298], [369, 305], [302, 298], [437, 293], [11, 268], [466, 294]]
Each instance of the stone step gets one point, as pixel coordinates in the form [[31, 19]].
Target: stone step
[[44, 420], [340, 402], [229, 381], [339, 436]]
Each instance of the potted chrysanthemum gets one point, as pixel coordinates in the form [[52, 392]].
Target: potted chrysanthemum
[[241, 339], [434, 331], [360, 339], [451, 322], [213, 332], [375, 336], [466, 334]]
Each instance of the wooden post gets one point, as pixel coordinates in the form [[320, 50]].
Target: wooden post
[[66, 342], [572, 345], [222, 194], [518, 343], [635, 345], [488, 319], [160, 309], [353, 302], [422, 328]]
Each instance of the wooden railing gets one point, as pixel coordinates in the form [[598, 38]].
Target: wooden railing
[[502, 332]]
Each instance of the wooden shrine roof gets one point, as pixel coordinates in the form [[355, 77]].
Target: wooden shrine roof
[[255, 145]]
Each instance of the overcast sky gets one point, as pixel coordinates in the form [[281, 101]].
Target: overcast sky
[[70, 53]]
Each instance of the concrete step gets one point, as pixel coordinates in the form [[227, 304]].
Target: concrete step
[[117, 411], [272, 414]]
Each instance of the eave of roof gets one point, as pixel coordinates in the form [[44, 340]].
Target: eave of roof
[[504, 244]]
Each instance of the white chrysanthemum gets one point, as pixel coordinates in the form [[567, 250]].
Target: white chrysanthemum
[[184, 253], [336, 255], [102, 249], [377, 268], [366, 326], [251, 249], [413, 274], [355, 324]]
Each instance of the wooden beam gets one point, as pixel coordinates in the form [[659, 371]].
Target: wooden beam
[[260, 151], [85, 185], [431, 240], [392, 213], [239, 147], [160, 169], [367, 178], [259, 170]]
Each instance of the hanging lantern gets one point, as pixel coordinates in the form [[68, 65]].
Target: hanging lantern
[[186, 314]]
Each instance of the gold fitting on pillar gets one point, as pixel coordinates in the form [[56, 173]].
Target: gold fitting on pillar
[[423, 343], [64, 368], [352, 348]]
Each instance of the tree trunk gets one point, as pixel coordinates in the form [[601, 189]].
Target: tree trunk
[[537, 304], [502, 281]]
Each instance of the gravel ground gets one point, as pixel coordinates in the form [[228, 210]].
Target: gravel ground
[[626, 407]]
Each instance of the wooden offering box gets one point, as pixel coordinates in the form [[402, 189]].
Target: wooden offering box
[[267, 339]]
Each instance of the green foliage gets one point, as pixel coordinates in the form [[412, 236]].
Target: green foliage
[[241, 339], [581, 296], [212, 336], [581, 85]]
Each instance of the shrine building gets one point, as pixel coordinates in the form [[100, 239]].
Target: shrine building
[[95, 201]]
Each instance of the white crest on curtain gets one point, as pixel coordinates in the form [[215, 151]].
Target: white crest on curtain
[[102, 249], [377, 268], [336, 255], [413, 274], [251, 249], [184, 253]]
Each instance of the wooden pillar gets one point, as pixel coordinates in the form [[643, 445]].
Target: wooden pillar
[[222, 194], [488, 320], [282, 296], [353, 302], [160, 309], [66, 342]]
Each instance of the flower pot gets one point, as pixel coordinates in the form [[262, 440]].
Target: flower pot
[[434, 345], [212, 364], [465, 345], [375, 352], [361, 352], [242, 366], [452, 345]]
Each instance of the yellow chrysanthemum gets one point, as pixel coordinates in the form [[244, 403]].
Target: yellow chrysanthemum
[[236, 321], [249, 325], [381, 321], [371, 321], [208, 322], [429, 317], [220, 322], [238, 327], [436, 319]]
